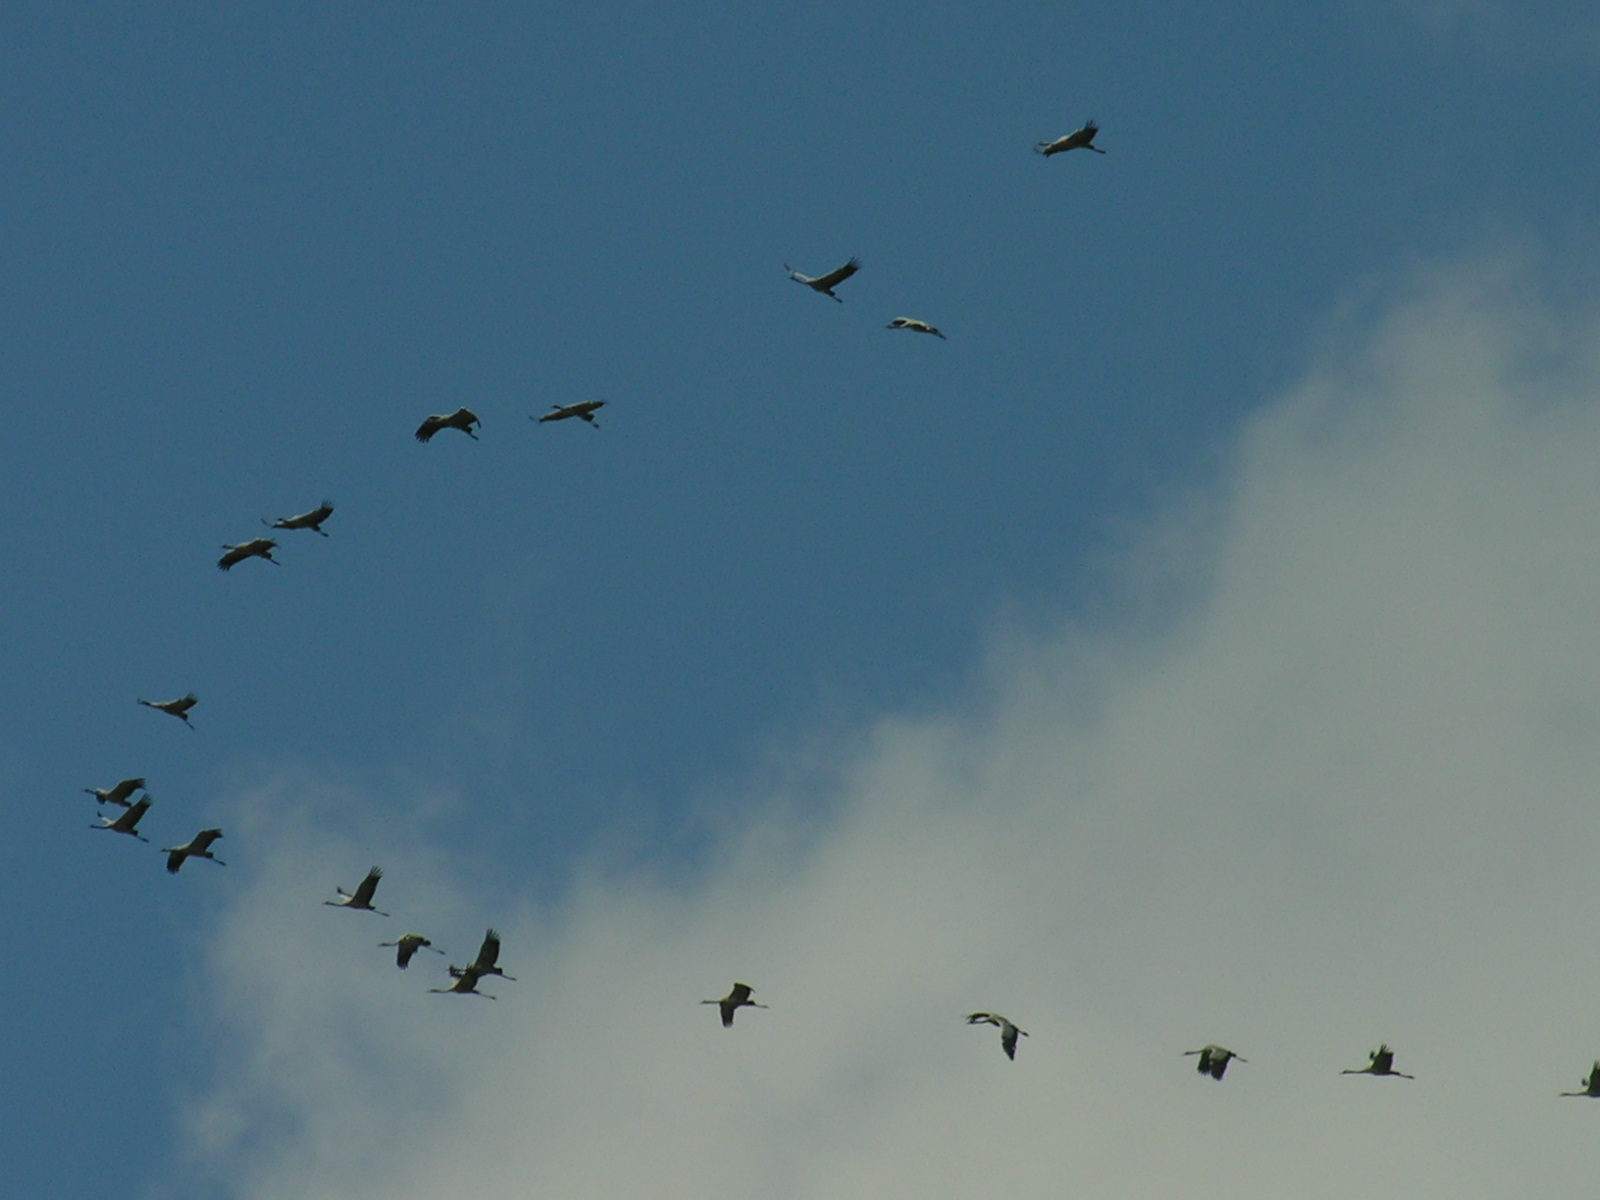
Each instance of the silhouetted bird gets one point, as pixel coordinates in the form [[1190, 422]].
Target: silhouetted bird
[[127, 820], [254, 548], [407, 947], [463, 419], [307, 520], [175, 708], [826, 283], [733, 1001], [1214, 1060], [487, 962], [198, 847], [914, 325], [1382, 1064], [466, 984], [1591, 1085], [1008, 1032], [361, 898], [584, 410], [1079, 139], [118, 794]]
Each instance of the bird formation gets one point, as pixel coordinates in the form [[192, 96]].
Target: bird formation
[[1213, 1060]]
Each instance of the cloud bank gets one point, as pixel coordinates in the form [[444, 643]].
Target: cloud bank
[[1343, 794]]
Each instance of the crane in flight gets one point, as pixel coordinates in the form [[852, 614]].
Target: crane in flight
[[738, 998], [915, 326], [466, 984], [463, 419], [254, 548], [1081, 138], [174, 708], [487, 962], [127, 821], [584, 410], [361, 898], [1008, 1032], [407, 946], [826, 283], [1214, 1059], [118, 794], [198, 846], [1382, 1064], [307, 520], [1591, 1085]]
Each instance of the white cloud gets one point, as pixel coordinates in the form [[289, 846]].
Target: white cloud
[[1345, 795]]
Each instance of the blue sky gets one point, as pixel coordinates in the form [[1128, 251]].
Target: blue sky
[[567, 677]]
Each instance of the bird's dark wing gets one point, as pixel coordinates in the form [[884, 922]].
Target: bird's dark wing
[[235, 555], [428, 428], [741, 993], [838, 274], [367, 887], [728, 1009], [1008, 1041], [175, 859], [488, 953], [126, 822]]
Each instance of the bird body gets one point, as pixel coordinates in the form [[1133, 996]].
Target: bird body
[[118, 794], [1008, 1032], [127, 820], [175, 708], [1591, 1085], [826, 283], [584, 410], [361, 898], [198, 846], [307, 520], [1214, 1059], [463, 419], [488, 960], [254, 548], [406, 947], [1081, 138], [1382, 1064], [466, 984], [738, 998], [915, 326]]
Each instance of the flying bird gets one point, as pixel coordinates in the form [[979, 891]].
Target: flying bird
[[733, 1001], [254, 548], [1382, 1064], [1591, 1085], [584, 410], [128, 820], [307, 520], [118, 794], [175, 708], [1214, 1060], [197, 847], [826, 283], [408, 945], [487, 961], [1008, 1032], [362, 899], [463, 419], [1078, 139], [915, 326], [466, 984]]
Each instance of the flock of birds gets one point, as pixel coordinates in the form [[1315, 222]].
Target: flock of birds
[[1212, 1059]]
